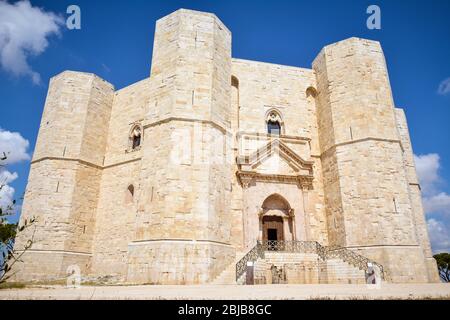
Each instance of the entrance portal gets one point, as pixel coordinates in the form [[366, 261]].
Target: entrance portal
[[272, 228], [272, 234], [276, 222]]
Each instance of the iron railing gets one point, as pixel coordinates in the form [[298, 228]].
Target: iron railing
[[353, 258], [254, 254], [323, 252], [289, 246]]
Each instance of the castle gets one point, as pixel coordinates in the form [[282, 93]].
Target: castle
[[214, 163]]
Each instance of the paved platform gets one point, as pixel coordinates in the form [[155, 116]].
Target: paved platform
[[233, 292]]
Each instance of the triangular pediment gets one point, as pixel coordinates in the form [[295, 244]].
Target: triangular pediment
[[276, 158]]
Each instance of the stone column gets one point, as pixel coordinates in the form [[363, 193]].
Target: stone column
[[287, 234]]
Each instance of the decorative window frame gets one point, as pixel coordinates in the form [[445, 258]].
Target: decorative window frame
[[274, 115], [131, 134]]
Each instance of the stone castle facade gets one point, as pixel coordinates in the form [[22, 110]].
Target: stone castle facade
[[173, 179]]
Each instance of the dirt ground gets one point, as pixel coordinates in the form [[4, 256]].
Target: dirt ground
[[232, 292]]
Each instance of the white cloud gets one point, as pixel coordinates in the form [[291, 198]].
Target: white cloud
[[439, 203], [7, 177], [444, 87], [435, 201], [439, 235], [23, 32], [427, 166], [6, 191], [14, 145]]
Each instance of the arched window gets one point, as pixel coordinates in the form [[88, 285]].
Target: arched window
[[136, 140], [234, 82], [129, 194], [311, 92], [273, 127], [135, 137], [274, 123]]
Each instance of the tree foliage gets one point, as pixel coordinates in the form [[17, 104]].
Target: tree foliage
[[443, 262], [7, 232]]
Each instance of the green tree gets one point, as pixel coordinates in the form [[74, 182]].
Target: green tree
[[7, 231], [443, 262]]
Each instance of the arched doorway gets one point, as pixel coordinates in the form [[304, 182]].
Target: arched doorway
[[272, 228], [276, 220]]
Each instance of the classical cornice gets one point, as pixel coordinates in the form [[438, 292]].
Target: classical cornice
[[246, 178]]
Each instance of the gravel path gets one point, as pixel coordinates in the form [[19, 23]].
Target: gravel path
[[233, 292]]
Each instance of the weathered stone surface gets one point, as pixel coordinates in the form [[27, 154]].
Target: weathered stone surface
[[174, 206]]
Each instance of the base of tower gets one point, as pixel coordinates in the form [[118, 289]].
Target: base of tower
[[177, 261], [402, 264], [50, 266]]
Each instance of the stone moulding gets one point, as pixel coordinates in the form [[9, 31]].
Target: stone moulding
[[267, 136], [267, 150], [87, 163], [188, 241], [247, 166], [302, 181]]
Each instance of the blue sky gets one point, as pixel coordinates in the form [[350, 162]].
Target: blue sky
[[116, 39]]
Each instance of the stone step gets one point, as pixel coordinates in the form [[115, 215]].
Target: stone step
[[309, 268], [228, 275]]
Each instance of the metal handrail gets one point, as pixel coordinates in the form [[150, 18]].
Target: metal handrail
[[354, 259], [323, 252], [254, 254]]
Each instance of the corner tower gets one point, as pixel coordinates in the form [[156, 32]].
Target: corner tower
[[367, 191], [63, 183], [182, 231]]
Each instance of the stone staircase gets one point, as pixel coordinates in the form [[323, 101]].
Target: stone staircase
[[228, 275], [300, 262], [341, 272], [306, 268]]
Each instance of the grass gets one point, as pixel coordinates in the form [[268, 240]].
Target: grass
[[12, 285]]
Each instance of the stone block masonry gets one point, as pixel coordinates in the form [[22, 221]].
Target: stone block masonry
[[169, 180]]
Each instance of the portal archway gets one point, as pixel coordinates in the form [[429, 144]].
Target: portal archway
[[276, 219]]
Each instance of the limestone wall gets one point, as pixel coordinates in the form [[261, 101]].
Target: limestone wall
[[367, 187], [200, 111], [115, 223], [116, 212], [77, 104], [185, 178], [264, 87], [177, 262], [64, 180], [415, 196]]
